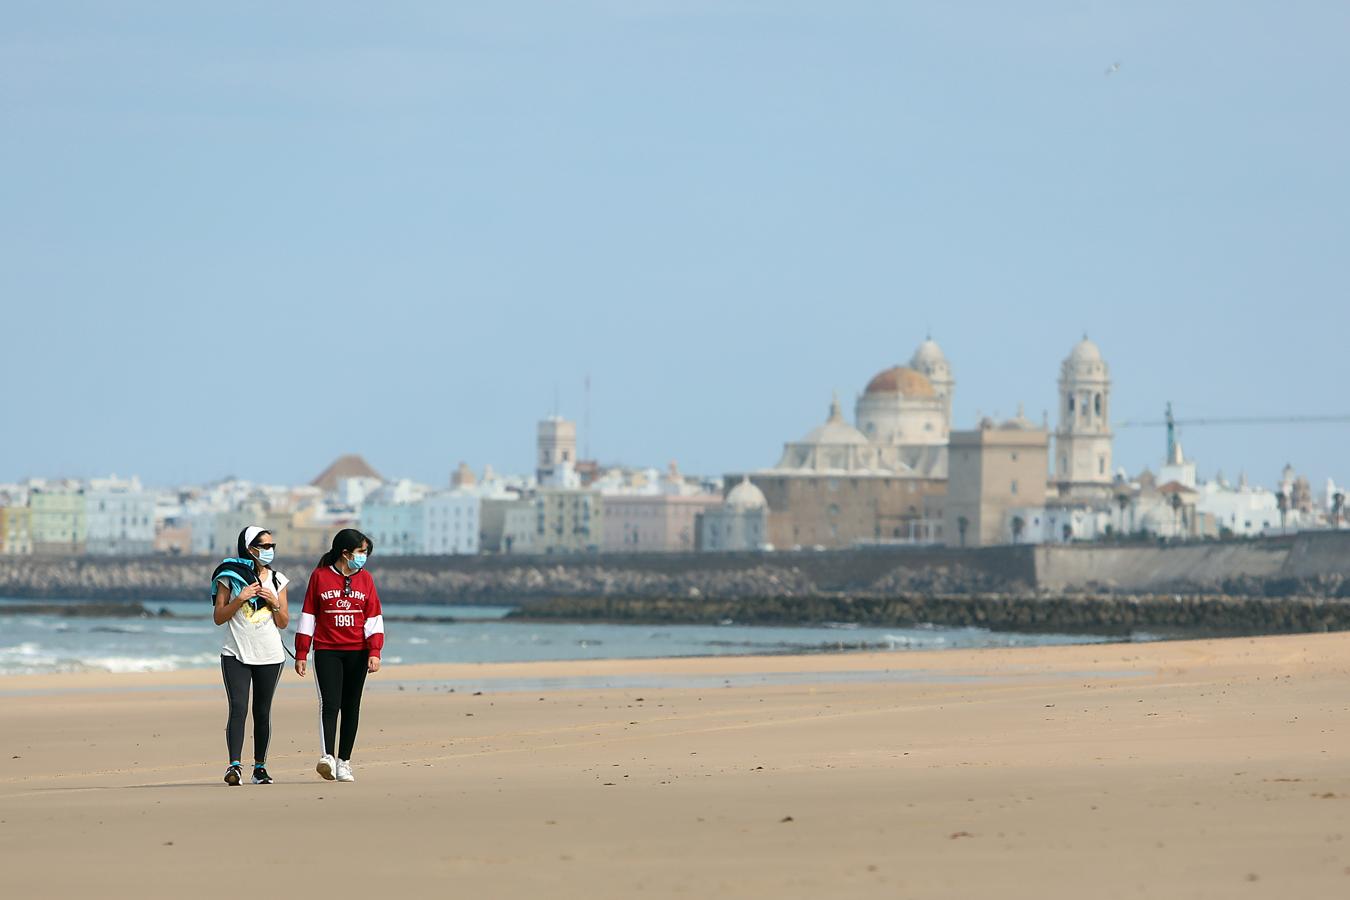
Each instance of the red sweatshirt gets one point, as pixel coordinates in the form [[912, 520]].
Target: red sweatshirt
[[340, 613]]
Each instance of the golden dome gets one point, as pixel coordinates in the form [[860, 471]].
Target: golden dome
[[901, 380]]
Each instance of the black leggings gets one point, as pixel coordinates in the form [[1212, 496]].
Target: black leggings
[[339, 677], [237, 677]]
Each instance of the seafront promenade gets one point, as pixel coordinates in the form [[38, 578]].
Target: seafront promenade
[[1182, 769]]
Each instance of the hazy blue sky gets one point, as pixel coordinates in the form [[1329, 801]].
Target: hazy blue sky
[[246, 239]]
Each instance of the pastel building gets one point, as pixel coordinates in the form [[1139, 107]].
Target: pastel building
[[16, 537], [394, 519], [57, 522], [654, 523], [568, 520]]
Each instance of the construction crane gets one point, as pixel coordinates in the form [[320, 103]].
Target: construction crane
[[1172, 423]]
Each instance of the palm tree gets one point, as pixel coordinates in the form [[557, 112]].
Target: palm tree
[[1123, 501], [1282, 499], [1337, 506], [1176, 514], [1018, 524], [962, 523]]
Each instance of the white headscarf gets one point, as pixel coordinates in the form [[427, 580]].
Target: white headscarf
[[246, 538]]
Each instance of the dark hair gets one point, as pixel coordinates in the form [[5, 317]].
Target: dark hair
[[257, 538], [344, 540]]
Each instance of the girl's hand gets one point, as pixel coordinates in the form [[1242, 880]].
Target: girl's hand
[[373, 664], [247, 593], [269, 596], [300, 667]]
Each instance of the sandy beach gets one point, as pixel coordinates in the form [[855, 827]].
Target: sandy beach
[[1187, 769]]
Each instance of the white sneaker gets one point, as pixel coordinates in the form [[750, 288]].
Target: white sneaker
[[325, 767], [344, 771]]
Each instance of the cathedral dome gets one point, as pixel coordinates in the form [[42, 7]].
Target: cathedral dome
[[835, 430], [901, 380], [746, 496]]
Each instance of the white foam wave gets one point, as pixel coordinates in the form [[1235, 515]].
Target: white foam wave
[[31, 658]]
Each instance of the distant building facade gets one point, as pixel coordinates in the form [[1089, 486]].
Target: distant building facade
[[996, 483], [568, 520], [57, 523], [654, 523], [16, 535], [119, 518]]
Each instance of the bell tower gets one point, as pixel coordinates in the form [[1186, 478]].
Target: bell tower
[[1083, 438]]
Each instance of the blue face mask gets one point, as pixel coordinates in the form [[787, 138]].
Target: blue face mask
[[357, 562], [265, 557]]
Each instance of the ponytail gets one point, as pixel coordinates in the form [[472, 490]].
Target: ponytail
[[344, 540]]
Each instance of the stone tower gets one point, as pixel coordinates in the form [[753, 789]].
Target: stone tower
[[930, 361], [556, 452], [1083, 439]]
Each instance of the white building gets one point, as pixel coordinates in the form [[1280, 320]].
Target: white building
[[119, 518], [451, 523], [1055, 524], [1243, 510], [404, 518]]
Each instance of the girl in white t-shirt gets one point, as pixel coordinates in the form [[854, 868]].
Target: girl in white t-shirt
[[250, 600]]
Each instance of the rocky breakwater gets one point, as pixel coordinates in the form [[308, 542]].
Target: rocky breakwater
[[533, 582], [89, 578], [1084, 613]]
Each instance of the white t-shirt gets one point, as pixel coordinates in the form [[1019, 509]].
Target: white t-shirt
[[250, 635]]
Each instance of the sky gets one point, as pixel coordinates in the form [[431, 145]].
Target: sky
[[244, 239]]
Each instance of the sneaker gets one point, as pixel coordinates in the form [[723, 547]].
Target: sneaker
[[234, 775], [260, 775], [325, 767], [344, 771]]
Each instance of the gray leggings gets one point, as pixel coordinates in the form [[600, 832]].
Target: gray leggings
[[238, 676]]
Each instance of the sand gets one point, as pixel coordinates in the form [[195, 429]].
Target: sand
[[1188, 769]]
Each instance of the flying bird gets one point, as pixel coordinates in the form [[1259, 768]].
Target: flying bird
[[1115, 67]]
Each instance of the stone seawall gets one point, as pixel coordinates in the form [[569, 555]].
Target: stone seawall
[[1316, 564], [1099, 614]]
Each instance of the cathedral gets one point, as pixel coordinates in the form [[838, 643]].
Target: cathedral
[[903, 421], [884, 477]]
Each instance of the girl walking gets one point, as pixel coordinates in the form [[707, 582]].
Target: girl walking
[[250, 598], [341, 620]]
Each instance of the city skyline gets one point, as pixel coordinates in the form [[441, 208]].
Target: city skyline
[[404, 236]]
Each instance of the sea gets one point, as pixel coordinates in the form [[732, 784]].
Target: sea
[[33, 644]]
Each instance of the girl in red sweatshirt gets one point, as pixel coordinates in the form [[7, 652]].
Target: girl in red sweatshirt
[[341, 619]]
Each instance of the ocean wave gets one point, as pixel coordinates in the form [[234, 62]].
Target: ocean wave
[[31, 658], [169, 663]]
